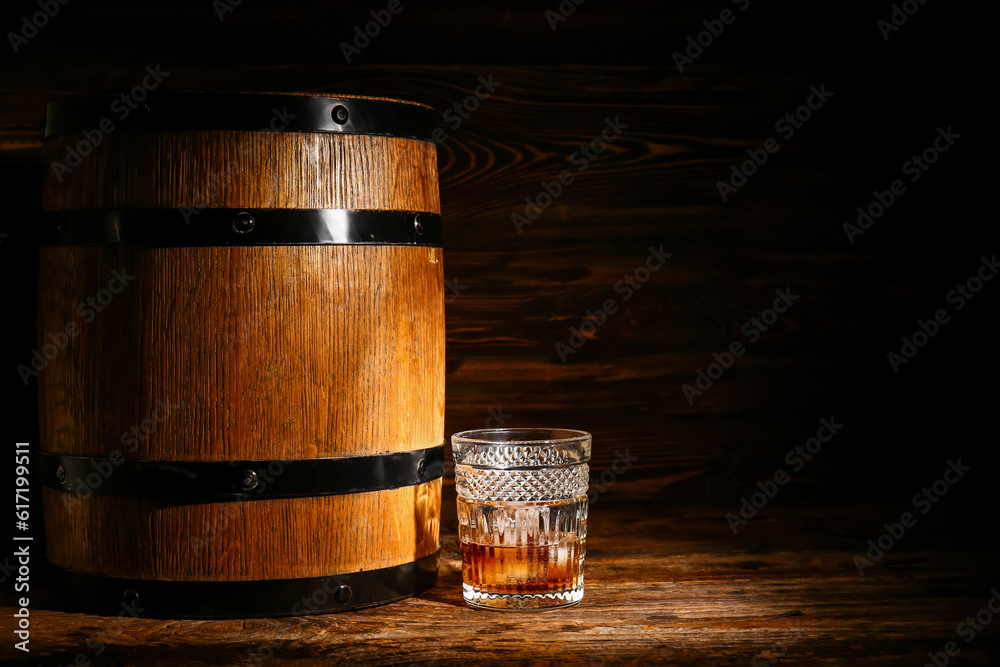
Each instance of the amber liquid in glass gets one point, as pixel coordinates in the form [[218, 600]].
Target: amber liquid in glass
[[529, 569]]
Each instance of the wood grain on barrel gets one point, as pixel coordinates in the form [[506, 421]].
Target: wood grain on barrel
[[229, 169], [240, 541], [258, 352]]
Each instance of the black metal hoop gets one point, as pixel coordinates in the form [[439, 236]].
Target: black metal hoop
[[189, 226], [192, 482], [267, 112], [145, 598]]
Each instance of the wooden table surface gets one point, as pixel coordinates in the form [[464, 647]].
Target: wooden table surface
[[663, 584]]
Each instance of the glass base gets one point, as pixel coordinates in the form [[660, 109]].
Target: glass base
[[485, 600]]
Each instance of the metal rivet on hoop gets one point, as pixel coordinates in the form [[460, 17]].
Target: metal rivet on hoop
[[243, 223], [249, 481]]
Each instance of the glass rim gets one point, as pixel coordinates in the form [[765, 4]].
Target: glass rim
[[520, 448], [567, 436]]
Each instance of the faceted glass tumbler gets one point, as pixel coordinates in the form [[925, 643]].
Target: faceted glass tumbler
[[522, 515]]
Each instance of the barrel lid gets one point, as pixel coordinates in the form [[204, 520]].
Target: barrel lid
[[268, 112]]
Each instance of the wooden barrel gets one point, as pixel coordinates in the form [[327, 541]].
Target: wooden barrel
[[241, 352]]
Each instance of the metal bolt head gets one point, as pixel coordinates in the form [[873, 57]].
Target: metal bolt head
[[418, 224], [342, 595], [243, 223], [130, 597], [421, 468], [249, 481], [61, 474], [340, 114]]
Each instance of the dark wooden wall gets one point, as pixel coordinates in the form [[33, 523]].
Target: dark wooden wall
[[517, 295]]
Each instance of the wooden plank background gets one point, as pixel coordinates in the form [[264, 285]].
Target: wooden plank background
[[514, 296]]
